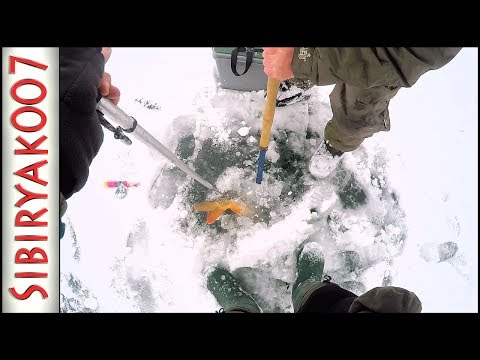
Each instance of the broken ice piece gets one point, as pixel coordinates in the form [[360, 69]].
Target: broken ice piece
[[243, 131]]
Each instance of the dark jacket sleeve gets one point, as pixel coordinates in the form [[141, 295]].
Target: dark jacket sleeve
[[368, 67], [81, 134]]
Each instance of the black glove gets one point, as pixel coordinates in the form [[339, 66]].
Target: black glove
[[81, 134]]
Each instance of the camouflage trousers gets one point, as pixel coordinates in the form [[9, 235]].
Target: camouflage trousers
[[357, 114], [363, 89]]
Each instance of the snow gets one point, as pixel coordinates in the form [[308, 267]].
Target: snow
[[387, 216]]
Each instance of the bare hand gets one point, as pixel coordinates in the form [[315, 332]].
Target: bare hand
[[106, 88], [277, 62]]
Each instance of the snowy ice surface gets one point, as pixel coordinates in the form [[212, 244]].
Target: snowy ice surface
[[401, 210]]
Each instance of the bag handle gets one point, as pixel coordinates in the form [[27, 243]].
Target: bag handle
[[250, 51]]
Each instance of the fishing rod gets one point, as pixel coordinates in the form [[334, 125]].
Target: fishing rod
[[129, 124]]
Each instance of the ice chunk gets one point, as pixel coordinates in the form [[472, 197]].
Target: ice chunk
[[243, 131]]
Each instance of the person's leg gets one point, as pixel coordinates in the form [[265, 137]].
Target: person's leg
[[310, 292], [231, 297], [366, 79], [357, 114], [310, 264]]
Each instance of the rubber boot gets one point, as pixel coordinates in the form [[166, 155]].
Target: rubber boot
[[310, 264], [229, 294]]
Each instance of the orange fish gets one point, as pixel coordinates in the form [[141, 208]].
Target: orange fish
[[218, 207]]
